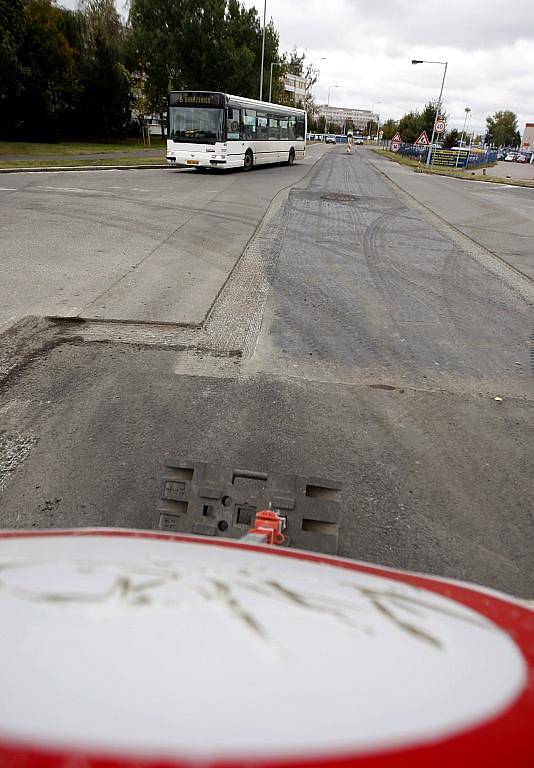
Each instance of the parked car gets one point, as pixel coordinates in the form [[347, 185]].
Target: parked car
[[521, 158], [510, 157]]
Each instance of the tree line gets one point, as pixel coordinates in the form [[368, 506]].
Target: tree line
[[501, 128], [79, 74]]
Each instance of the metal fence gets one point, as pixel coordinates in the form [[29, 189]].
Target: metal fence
[[448, 158]]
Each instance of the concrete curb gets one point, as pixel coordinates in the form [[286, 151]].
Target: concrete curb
[[52, 168]]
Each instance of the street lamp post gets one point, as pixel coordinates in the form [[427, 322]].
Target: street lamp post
[[438, 105], [263, 48], [328, 103], [467, 126], [328, 100], [271, 80], [467, 111], [310, 70], [378, 118]]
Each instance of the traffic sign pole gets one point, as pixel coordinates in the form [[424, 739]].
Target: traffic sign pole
[[438, 111]]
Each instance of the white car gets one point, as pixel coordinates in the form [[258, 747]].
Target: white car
[[510, 157], [330, 140]]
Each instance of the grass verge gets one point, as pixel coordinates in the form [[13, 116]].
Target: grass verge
[[468, 175], [74, 148], [471, 175], [65, 161]]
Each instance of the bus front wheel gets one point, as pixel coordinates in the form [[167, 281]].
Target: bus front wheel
[[291, 158], [249, 160]]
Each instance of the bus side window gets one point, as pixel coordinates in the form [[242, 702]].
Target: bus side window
[[233, 124], [291, 128], [249, 124], [299, 129], [284, 133], [263, 128], [274, 128]]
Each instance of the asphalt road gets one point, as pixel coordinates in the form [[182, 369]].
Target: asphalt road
[[499, 216], [135, 245], [359, 338]]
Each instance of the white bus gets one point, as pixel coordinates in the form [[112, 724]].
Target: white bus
[[208, 129]]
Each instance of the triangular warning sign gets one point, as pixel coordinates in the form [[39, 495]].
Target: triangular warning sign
[[422, 141], [397, 138]]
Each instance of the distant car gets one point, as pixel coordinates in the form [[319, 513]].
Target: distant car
[[330, 140], [358, 140], [510, 157], [521, 158]]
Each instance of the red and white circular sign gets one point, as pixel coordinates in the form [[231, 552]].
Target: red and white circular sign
[[123, 648]]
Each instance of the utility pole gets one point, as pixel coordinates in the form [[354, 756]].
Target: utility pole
[[263, 48], [271, 81], [438, 105]]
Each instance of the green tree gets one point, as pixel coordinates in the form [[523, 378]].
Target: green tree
[[50, 86], [427, 118], [12, 70], [452, 138], [409, 127], [502, 128], [389, 129], [209, 45], [371, 128], [107, 87], [320, 125]]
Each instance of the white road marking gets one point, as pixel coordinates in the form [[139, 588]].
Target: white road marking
[[8, 189], [86, 190]]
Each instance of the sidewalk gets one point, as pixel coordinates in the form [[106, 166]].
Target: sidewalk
[[511, 170], [498, 217], [159, 152]]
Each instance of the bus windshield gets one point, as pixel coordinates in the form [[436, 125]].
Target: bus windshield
[[199, 125]]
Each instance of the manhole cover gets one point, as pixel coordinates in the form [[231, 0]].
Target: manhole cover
[[339, 197]]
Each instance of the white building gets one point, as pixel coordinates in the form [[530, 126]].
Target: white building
[[341, 115], [528, 136], [296, 86]]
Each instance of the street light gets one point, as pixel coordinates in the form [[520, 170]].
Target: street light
[[328, 103], [467, 126], [263, 48], [328, 100], [378, 118], [271, 80], [438, 105], [306, 88], [467, 111]]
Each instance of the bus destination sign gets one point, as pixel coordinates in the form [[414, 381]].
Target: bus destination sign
[[196, 99]]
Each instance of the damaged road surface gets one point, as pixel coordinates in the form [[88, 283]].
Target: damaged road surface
[[355, 337]]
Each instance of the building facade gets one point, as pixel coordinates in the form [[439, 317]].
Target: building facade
[[296, 86], [341, 115], [528, 136]]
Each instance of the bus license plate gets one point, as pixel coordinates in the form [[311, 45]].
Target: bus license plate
[[191, 162]]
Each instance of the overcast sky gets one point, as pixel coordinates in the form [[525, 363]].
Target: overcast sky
[[368, 47]]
